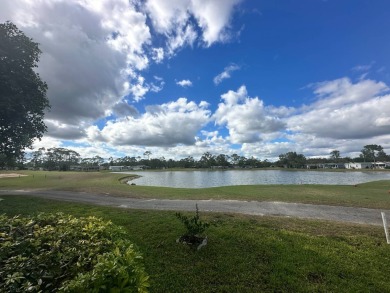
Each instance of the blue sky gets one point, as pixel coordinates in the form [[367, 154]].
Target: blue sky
[[257, 78]]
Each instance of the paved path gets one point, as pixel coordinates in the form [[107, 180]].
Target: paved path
[[322, 212]]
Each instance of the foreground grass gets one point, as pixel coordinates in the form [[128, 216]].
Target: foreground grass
[[370, 195], [244, 254]]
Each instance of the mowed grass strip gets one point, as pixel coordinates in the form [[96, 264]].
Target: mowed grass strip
[[370, 195], [244, 254]]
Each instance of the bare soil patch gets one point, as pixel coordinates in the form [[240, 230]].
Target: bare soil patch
[[10, 175]]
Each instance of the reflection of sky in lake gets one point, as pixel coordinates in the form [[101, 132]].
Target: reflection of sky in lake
[[202, 179]]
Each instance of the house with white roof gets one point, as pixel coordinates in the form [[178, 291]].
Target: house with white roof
[[359, 165]]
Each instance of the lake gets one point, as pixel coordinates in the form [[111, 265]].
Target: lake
[[203, 179]]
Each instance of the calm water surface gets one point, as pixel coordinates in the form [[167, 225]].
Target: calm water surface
[[203, 179]]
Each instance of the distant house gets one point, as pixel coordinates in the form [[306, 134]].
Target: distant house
[[127, 168], [117, 168], [381, 165], [311, 166], [139, 167], [333, 166], [368, 165], [359, 165], [326, 166], [219, 167]]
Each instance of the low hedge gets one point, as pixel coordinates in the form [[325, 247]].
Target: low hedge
[[61, 253]]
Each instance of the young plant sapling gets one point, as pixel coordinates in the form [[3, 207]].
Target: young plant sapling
[[195, 227]]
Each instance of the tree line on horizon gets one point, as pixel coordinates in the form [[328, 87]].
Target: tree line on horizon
[[65, 159]]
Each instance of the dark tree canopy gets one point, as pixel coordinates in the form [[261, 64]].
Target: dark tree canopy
[[22, 92], [292, 160], [368, 152], [335, 155]]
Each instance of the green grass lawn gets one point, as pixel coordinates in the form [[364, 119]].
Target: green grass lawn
[[370, 195], [244, 253]]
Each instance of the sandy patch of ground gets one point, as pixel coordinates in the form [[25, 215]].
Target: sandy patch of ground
[[10, 175]]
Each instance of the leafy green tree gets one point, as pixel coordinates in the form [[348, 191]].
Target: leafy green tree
[[234, 159], [56, 158], [242, 161], [157, 163], [382, 156], [188, 162], [89, 162], [292, 160], [22, 92], [38, 157], [253, 162], [368, 152], [222, 160], [266, 164], [207, 160], [335, 155]]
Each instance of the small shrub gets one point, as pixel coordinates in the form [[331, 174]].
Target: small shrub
[[57, 252], [193, 225]]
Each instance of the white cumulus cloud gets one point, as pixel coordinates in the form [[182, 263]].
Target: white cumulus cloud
[[246, 118], [214, 18], [178, 20], [157, 127], [344, 110], [89, 50], [226, 73], [184, 83]]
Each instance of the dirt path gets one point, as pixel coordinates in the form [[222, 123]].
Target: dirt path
[[322, 212], [11, 175]]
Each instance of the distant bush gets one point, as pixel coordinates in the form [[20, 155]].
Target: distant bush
[[57, 252]]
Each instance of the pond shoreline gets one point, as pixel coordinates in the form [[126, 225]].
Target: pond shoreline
[[251, 170], [126, 179], [218, 178]]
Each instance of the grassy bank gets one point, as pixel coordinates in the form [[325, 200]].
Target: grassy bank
[[370, 195], [244, 254]]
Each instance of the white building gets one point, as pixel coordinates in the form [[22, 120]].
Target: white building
[[359, 165], [127, 168], [381, 165], [326, 166], [117, 168], [367, 165]]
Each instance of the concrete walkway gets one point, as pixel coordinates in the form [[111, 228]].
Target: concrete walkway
[[297, 210]]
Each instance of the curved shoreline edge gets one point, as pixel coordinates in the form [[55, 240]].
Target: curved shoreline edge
[[124, 180]]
